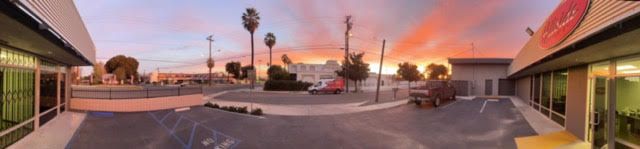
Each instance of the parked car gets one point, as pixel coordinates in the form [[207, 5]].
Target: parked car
[[434, 92], [335, 86]]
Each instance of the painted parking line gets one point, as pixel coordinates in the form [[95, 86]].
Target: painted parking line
[[485, 103], [212, 139], [454, 102]]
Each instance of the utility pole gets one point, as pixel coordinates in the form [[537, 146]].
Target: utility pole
[[475, 63], [346, 51], [210, 63], [380, 70]]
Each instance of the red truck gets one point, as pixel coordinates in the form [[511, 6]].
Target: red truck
[[335, 86], [433, 91]]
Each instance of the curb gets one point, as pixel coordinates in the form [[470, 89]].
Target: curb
[[241, 114]]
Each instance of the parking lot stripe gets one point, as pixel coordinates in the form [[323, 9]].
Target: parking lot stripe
[[164, 117], [483, 105], [454, 102], [193, 132]]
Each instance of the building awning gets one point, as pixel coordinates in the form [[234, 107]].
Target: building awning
[[600, 16], [63, 21], [495, 61]]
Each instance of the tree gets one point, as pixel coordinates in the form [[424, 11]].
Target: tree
[[358, 69], [276, 72], [234, 69], [409, 72], [98, 71], [128, 64], [437, 71], [270, 41], [250, 21], [245, 71], [286, 60], [120, 73]]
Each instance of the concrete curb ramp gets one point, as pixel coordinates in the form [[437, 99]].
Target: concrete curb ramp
[[307, 110]]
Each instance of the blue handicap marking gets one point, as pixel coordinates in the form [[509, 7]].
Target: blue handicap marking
[[199, 136], [101, 114]]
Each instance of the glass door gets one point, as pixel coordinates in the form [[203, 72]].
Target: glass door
[[598, 112]]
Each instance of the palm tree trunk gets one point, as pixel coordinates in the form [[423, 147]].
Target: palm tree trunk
[[252, 66], [270, 57]]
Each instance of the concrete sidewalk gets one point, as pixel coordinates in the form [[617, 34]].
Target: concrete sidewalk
[[55, 134], [539, 123], [308, 110]]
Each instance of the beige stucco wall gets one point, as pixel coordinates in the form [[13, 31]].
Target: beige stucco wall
[[136, 105], [478, 76], [523, 88], [577, 97]]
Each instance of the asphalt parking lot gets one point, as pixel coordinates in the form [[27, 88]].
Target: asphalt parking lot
[[458, 124]]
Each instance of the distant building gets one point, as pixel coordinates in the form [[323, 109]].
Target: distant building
[[197, 78], [482, 76], [314, 72], [385, 80], [109, 79]]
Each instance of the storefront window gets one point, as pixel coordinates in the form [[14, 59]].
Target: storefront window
[[63, 91], [558, 102], [17, 102], [48, 96], [536, 92], [16, 95], [628, 103], [545, 97], [600, 69], [628, 66], [628, 112]]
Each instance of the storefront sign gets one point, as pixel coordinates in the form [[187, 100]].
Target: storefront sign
[[562, 22]]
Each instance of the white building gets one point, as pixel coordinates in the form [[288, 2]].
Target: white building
[[385, 80], [314, 72]]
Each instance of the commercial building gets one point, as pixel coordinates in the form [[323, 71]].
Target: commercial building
[[314, 72], [581, 69], [481, 76], [385, 80], [177, 78], [39, 43]]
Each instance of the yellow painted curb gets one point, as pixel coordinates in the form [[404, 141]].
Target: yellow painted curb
[[546, 141]]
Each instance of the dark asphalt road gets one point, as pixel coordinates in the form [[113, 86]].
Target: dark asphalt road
[[457, 125], [284, 98]]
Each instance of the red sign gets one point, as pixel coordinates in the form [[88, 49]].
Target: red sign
[[562, 22]]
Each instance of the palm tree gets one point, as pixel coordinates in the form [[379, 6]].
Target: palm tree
[[270, 41], [285, 59], [250, 21]]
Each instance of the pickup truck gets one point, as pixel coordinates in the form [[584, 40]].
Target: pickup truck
[[434, 92]]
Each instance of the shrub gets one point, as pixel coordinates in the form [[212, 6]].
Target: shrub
[[208, 104], [243, 110], [276, 72], [286, 85], [256, 111]]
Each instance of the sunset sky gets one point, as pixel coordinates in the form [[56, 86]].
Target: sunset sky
[[171, 34]]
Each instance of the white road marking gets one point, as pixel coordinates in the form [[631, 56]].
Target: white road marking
[[483, 105], [493, 100], [182, 109], [449, 104]]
